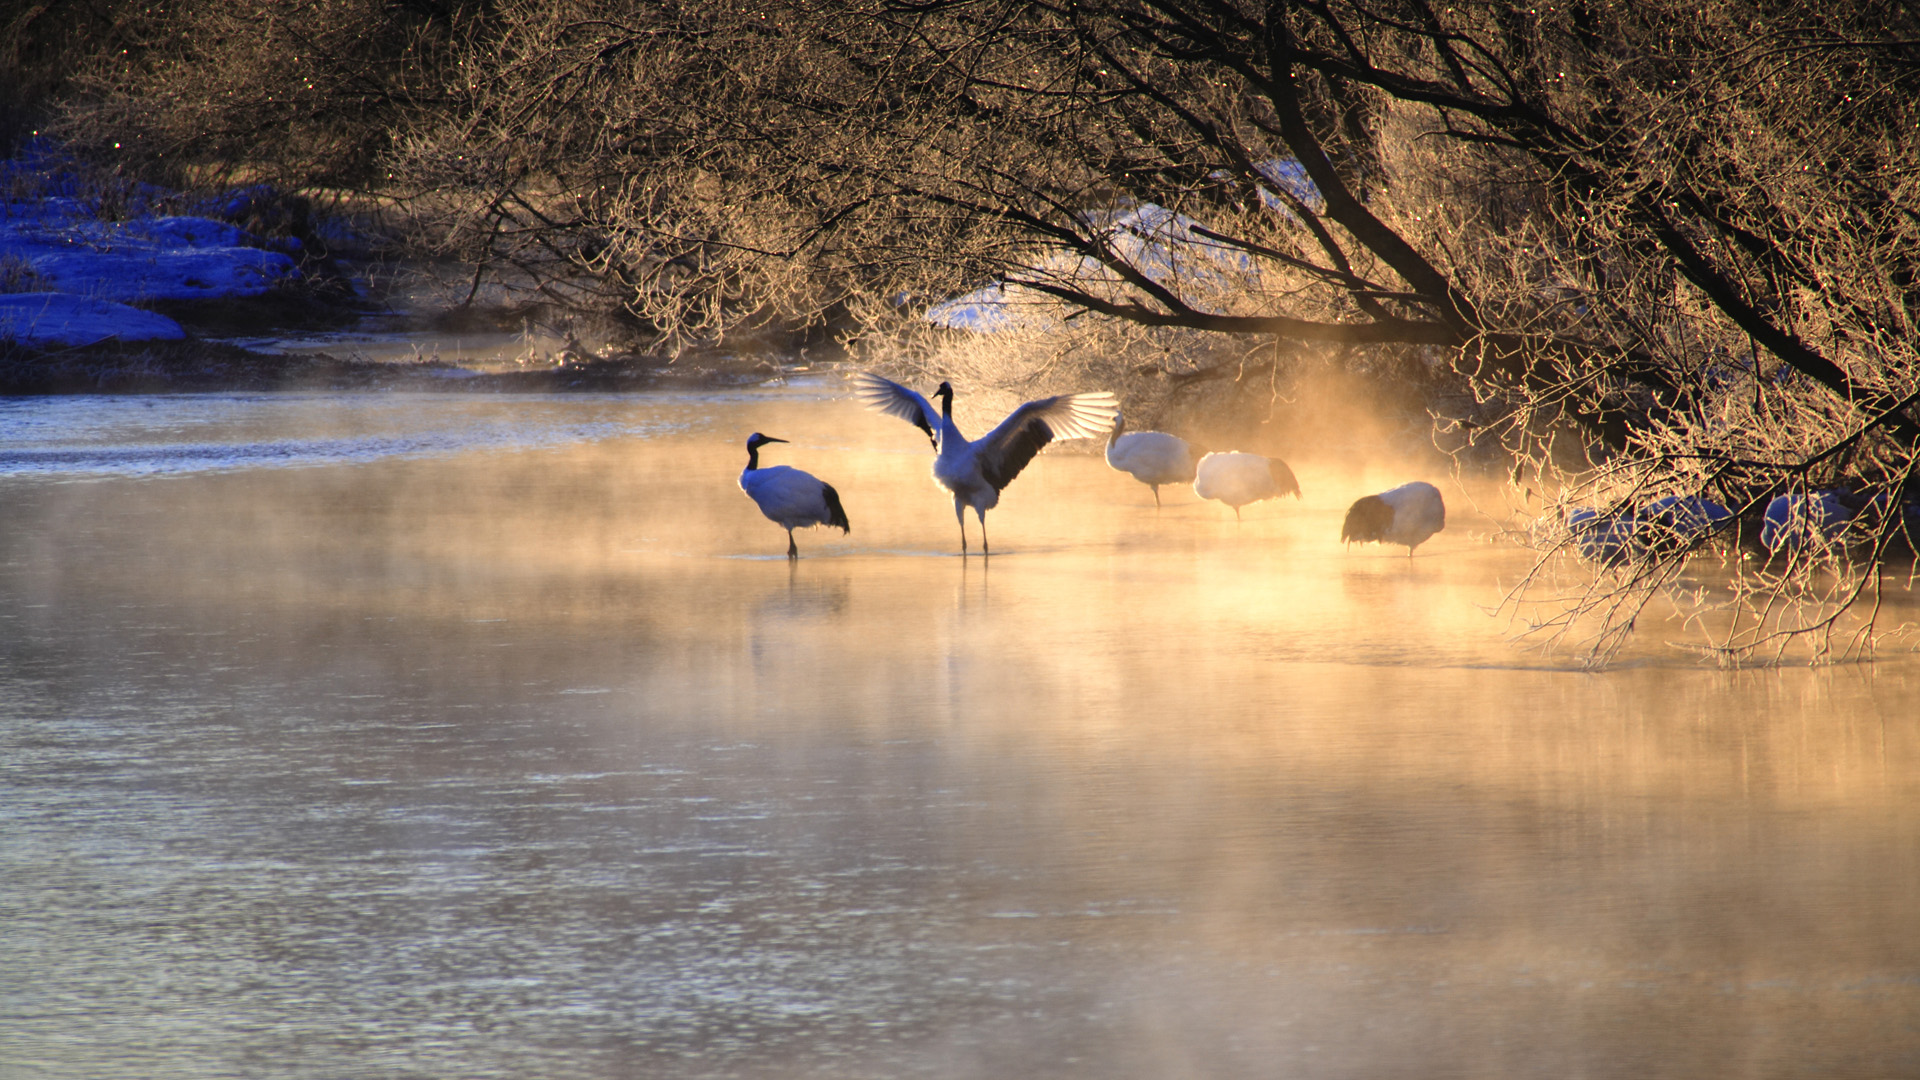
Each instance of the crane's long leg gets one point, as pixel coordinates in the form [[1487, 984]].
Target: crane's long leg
[[1236, 513], [984, 549], [793, 550], [960, 515], [1156, 495]]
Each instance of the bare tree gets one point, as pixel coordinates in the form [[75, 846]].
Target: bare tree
[[303, 93]]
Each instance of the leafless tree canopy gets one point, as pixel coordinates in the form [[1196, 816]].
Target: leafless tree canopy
[[1669, 248]]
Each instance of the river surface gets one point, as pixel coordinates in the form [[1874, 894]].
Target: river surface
[[447, 736]]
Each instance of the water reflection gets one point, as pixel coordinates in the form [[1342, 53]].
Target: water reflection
[[537, 757]]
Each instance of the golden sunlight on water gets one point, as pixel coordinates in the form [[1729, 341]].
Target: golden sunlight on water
[[535, 756]]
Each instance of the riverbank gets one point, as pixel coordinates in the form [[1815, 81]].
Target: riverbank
[[112, 286], [197, 366]]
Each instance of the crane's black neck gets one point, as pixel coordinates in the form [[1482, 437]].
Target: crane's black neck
[[945, 394], [753, 449]]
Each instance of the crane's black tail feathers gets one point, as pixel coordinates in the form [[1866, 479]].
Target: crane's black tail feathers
[[1284, 482], [1367, 521], [836, 515]]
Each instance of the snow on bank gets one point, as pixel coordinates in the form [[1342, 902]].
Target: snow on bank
[[1165, 247], [167, 258], [70, 277], [50, 318]]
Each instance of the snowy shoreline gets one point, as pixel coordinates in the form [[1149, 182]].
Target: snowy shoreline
[[87, 263], [117, 287]]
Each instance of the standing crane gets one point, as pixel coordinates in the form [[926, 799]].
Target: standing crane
[[977, 471], [1151, 457], [1406, 515], [790, 498], [1237, 479]]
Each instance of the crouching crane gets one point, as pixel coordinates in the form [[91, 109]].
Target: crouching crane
[[790, 498], [1408, 514], [977, 471]]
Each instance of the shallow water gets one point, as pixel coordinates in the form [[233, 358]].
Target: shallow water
[[393, 736]]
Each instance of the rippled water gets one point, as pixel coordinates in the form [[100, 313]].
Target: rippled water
[[89, 437], [437, 736]]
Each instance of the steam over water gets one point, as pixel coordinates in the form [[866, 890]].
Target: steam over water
[[460, 736]]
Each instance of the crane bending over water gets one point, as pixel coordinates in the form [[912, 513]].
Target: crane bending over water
[[1237, 479], [977, 471], [789, 497], [1406, 515]]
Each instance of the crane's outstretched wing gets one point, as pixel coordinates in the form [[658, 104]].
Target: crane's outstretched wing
[[895, 400], [1005, 450]]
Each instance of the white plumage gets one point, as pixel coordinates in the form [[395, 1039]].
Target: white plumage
[[1151, 457], [1408, 514], [976, 471], [790, 498], [1237, 479]]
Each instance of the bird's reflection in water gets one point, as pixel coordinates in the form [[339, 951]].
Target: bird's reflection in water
[[970, 588], [811, 592]]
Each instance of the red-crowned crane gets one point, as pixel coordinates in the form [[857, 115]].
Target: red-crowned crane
[[1237, 479], [977, 471], [1152, 457], [790, 498], [1406, 515]]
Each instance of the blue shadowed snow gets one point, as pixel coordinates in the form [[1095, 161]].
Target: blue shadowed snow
[[1609, 539], [80, 277], [47, 318], [189, 232], [1794, 522], [982, 310], [1599, 538], [1683, 517], [1291, 175], [1163, 246], [168, 258]]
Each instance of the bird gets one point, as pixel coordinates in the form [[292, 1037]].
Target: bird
[[1151, 457], [1237, 479], [790, 498], [977, 471], [1406, 515]]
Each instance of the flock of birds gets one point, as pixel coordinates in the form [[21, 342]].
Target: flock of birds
[[976, 471]]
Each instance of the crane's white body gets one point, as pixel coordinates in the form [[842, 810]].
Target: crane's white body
[[790, 498], [1408, 514], [1237, 479], [1151, 457], [977, 470]]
